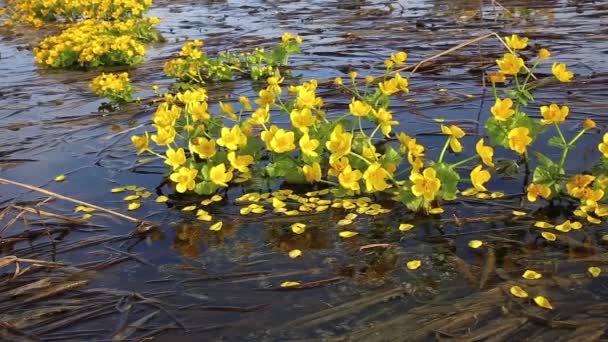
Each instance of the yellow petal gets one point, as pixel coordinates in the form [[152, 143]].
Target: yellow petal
[[576, 225], [350, 216], [414, 264], [134, 205], [543, 224], [518, 213], [497, 194], [59, 178], [216, 226], [189, 208], [469, 192], [86, 216], [529, 274], [298, 228], [245, 211], [289, 284], [594, 271], [146, 194], [518, 292], [131, 188], [344, 222], [347, 234], [295, 253], [475, 243], [543, 302], [482, 195], [404, 227], [162, 199], [131, 198], [593, 220], [121, 189], [84, 209], [436, 211], [549, 236], [217, 198]]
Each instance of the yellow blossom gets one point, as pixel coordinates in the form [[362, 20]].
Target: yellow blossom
[[516, 43], [519, 139], [359, 108], [185, 179], [232, 138], [349, 179], [338, 81], [312, 172], [302, 119], [308, 146], [589, 124], [287, 36], [503, 109], [553, 114], [337, 165], [228, 109], [241, 163], [375, 178], [510, 64], [399, 57], [175, 158], [603, 146], [561, 73], [479, 177], [426, 184], [164, 135], [455, 133], [496, 77], [339, 143], [219, 175], [536, 190], [141, 142], [204, 148], [282, 141], [578, 182], [544, 54], [486, 153]]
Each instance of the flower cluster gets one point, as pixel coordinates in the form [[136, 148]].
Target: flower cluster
[[194, 66], [115, 87], [241, 141], [93, 43], [38, 12]]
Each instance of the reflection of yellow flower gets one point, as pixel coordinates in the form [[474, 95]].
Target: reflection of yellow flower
[[603, 146], [282, 141], [312, 172], [519, 139], [219, 175], [339, 143], [240, 163], [553, 114], [349, 179], [455, 133], [184, 178], [175, 158], [510, 64], [503, 109], [517, 43], [359, 108], [141, 142], [497, 77], [561, 73], [485, 153], [479, 177], [203, 147], [308, 146], [538, 190], [375, 178], [426, 184]]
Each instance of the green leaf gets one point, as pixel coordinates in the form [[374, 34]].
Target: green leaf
[[556, 142], [548, 175], [409, 199], [544, 160], [282, 166], [449, 180], [506, 167], [497, 132], [205, 188]]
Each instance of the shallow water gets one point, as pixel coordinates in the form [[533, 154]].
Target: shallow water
[[49, 125]]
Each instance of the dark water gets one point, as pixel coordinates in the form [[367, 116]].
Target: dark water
[[49, 125]]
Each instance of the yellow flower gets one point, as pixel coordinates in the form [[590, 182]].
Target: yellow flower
[[359, 108], [349, 179], [308, 146], [479, 177], [274, 84], [553, 114], [282, 141], [389, 87], [299, 39], [538, 190], [339, 143], [175, 159], [141, 142], [302, 119], [352, 75], [455, 133], [219, 175], [578, 182], [338, 81], [402, 83], [485, 153], [260, 116], [369, 79], [516, 43], [312, 172], [184, 178], [164, 135], [503, 109], [603, 146], [203, 147], [544, 54], [375, 178], [496, 77], [561, 73], [426, 184], [337, 165], [232, 138], [286, 37], [399, 57], [228, 109], [519, 139], [240, 163], [510, 64]]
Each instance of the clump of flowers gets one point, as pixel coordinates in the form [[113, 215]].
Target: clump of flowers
[[241, 141], [38, 12], [115, 87], [93, 43], [194, 66]]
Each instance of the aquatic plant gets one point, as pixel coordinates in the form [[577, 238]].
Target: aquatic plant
[[115, 87]]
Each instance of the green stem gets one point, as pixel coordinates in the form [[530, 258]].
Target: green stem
[[559, 132], [464, 161], [328, 182], [360, 157], [445, 148], [578, 136]]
